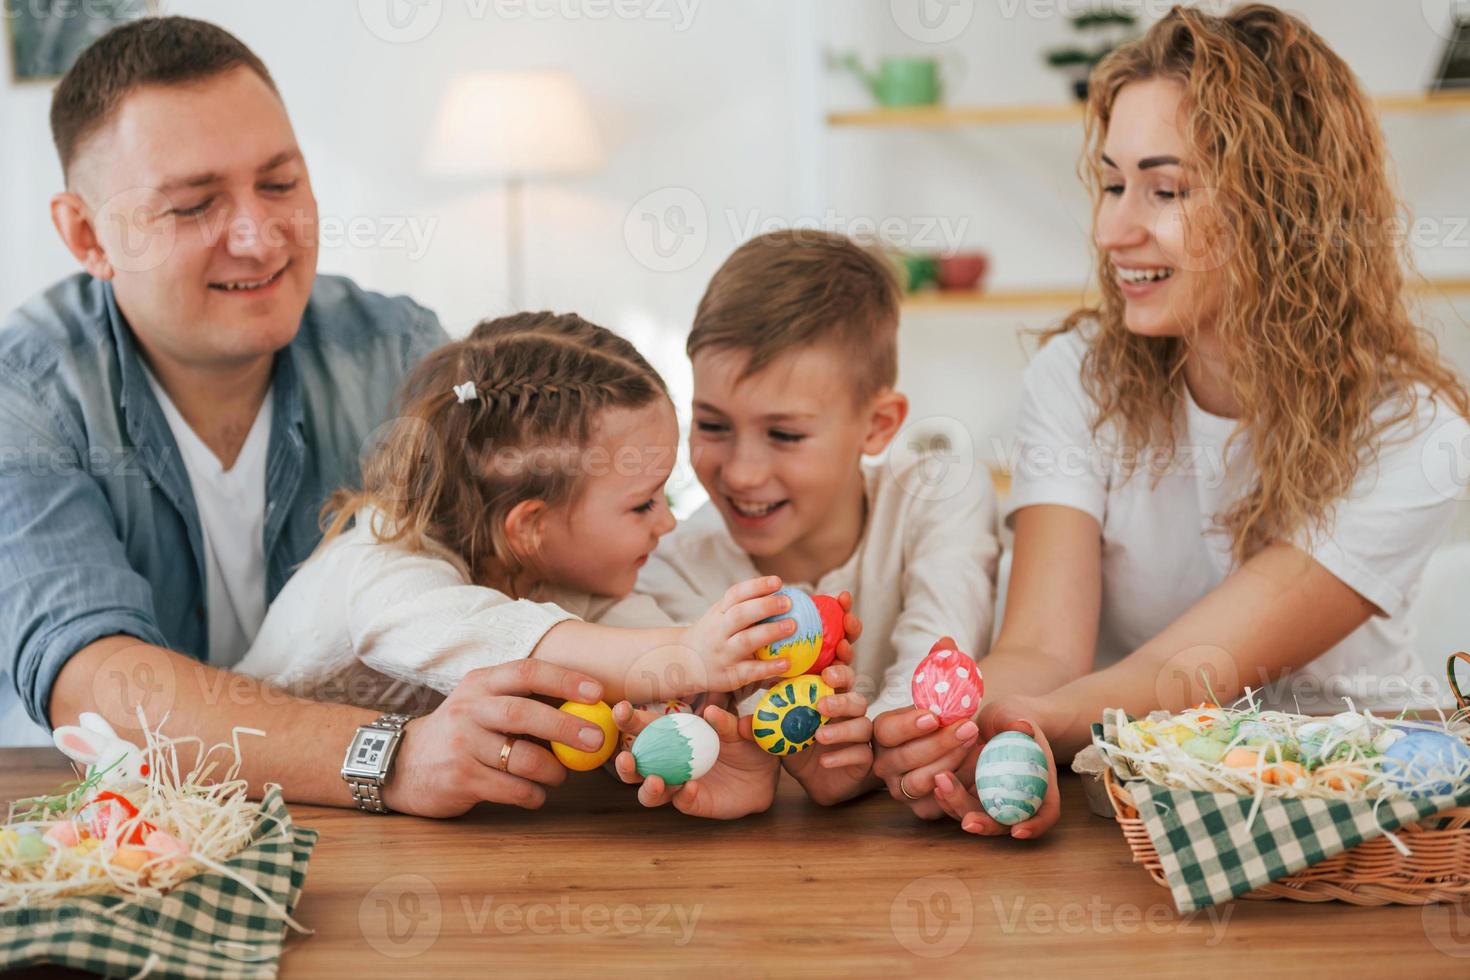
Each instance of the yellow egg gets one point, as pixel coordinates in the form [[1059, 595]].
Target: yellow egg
[[581, 760], [132, 858]]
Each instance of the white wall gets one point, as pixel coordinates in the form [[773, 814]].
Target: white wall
[[712, 113]]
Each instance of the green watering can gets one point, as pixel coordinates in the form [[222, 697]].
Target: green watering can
[[900, 81]]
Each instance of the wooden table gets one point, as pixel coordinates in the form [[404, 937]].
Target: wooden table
[[594, 885]]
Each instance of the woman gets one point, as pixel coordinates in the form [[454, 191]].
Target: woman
[[1231, 472]]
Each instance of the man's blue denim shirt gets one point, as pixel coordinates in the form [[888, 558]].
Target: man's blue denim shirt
[[99, 533]]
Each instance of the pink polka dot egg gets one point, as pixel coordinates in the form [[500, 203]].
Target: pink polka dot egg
[[948, 683]]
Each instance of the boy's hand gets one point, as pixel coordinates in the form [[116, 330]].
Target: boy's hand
[[852, 627], [840, 765], [743, 780], [964, 805], [725, 639]]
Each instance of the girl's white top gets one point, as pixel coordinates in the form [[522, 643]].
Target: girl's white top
[[379, 625]]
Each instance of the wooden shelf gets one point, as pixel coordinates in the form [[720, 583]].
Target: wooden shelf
[[964, 299], [942, 117], [1045, 299]]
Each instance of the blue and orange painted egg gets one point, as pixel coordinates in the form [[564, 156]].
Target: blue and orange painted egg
[[801, 648], [786, 719]]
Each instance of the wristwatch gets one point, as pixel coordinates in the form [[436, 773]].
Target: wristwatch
[[369, 759]]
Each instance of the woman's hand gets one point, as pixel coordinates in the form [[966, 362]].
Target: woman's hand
[[958, 801], [724, 641], [840, 765], [743, 780], [449, 759]]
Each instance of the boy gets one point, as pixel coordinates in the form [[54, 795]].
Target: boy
[[795, 357]]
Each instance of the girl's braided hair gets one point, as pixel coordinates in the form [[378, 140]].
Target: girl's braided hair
[[451, 471]]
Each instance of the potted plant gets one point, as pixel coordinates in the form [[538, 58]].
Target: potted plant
[[1105, 29]]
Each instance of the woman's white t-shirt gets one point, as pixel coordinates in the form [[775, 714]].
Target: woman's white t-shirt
[[1163, 551]]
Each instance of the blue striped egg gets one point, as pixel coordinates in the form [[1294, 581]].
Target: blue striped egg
[[1011, 777]]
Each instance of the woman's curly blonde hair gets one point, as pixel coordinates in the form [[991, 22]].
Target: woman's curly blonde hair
[[1314, 323]]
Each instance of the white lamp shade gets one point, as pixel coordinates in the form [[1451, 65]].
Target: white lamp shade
[[513, 124]]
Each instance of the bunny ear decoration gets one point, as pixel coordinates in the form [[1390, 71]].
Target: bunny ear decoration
[[94, 722], [78, 743]]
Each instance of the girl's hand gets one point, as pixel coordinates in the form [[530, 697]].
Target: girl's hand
[[725, 639], [840, 765], [963, 805], [743, 780]]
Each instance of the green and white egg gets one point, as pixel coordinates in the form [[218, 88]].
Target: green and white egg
[[1011, 777], [676, 748]]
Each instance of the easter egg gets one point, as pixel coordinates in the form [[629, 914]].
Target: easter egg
[[164, 844], [132, 858], [1416, 759], [31, 847], [802, 647], [947, 683], [1241, 758], [1203, 748], [1011, 777], [676, 748], [582, 760], [64, 834], [833, 630], [786, 719], [672, 706]]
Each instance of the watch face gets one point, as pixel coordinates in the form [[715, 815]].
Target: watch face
[[368, 750]]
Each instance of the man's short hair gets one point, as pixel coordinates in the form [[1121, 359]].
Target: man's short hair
[[150, 51], [799, 288]]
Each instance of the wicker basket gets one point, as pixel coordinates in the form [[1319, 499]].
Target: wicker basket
[[1373, 873], [1437, 869]]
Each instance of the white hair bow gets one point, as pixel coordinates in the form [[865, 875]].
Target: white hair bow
[[466, 392]]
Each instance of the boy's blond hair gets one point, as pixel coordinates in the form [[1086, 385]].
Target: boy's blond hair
[[797, 288]]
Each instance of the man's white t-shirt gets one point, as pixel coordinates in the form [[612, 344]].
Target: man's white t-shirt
[[231, 506], [1162, 550]]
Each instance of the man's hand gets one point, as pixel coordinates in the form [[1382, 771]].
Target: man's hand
[[450, 758]]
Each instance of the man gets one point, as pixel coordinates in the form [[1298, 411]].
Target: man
[[172, 419]]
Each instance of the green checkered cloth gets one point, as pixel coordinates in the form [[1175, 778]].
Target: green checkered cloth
[[1208, 854], [206, 926]]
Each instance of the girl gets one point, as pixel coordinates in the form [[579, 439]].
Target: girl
[[505, 516], [1232, 473]]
